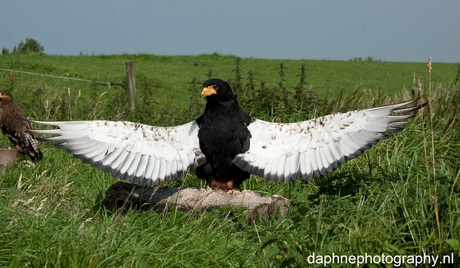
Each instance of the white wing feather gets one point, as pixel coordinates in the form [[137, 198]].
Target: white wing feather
[[285, 152], [143, 154]]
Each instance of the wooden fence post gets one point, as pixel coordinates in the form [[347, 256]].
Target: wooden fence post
[[131, 84]]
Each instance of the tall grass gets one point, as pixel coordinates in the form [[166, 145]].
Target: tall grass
[[400, 197]]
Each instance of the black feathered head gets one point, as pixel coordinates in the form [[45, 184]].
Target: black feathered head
[[217, 89]]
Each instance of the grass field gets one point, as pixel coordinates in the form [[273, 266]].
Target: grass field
[[400, 198]]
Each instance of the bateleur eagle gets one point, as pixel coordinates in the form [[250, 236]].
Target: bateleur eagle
[[225, 145]]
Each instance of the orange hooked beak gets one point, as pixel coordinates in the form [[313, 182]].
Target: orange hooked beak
[[207, 91]]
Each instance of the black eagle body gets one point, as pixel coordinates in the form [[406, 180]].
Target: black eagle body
[[225, 145], [223, 134], [16, 127]]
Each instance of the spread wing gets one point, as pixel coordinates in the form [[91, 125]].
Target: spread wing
[[285, 152], [143, 154]]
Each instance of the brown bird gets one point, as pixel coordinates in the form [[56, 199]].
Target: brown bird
[[225, 145], [16, 127]]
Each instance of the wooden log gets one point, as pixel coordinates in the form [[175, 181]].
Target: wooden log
[[122, 194], [8, 156]]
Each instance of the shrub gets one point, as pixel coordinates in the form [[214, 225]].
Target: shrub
[[29, 45]]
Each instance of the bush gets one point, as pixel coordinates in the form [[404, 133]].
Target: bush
[[29, 45]]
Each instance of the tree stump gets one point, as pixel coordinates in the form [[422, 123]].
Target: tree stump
[[8, 156], [122, 194]]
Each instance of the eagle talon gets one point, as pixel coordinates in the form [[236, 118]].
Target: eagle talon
[[229, 187], [233, 191]]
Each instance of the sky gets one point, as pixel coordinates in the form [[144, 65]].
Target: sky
[[387, 30]]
